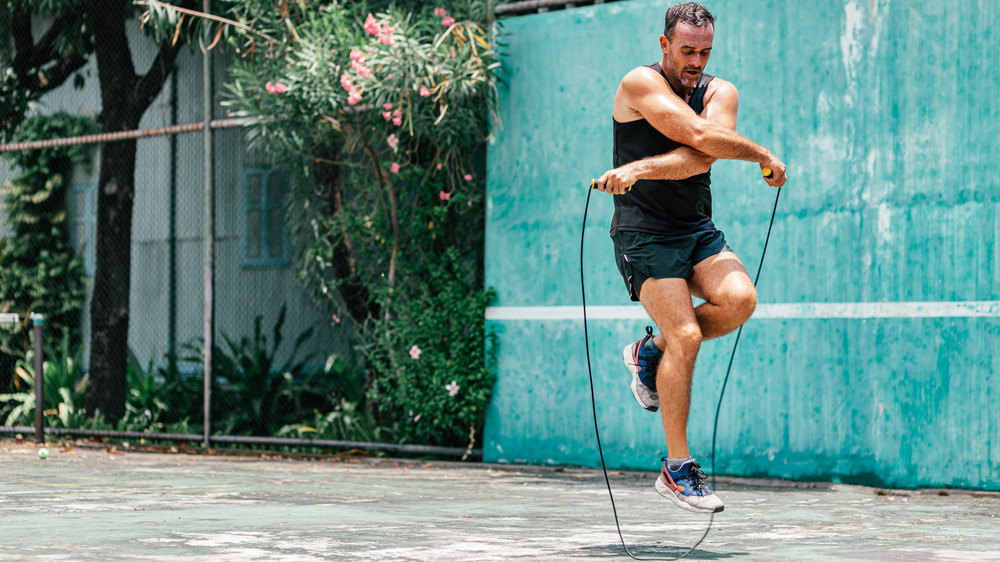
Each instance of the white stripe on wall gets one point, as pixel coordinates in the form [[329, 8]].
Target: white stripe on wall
[[781, 310]]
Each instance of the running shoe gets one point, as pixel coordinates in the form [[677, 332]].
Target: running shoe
[[686, 487], [642, 363]]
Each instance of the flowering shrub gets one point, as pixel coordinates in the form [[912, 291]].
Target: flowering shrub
[[384, 116], [441, 359]]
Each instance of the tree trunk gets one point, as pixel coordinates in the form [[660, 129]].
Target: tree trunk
[[124, 98], [109, 310], [355, 294]]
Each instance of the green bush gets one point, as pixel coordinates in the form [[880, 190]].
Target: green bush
[[348, 417], [41, 271], [440, 358], [65, 387]]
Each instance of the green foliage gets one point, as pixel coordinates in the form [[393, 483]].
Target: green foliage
[[63, 392], [441, 360], [348, 417], [398, 99], [159, 397], [41, 271], [254, 395], [14, 101]]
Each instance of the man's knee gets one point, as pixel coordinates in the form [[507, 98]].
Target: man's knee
[[738, 303], [685, 339], [744, 302]]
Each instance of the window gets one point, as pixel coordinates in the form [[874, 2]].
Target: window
[[265, 240], [83, 225]]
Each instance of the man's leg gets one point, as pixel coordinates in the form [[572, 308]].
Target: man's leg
[[668, 302], [730, 297]]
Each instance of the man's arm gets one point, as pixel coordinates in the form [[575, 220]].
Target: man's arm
[[680, 163], [721, 107], [643, 93]]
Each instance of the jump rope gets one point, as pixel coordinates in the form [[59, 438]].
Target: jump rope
[[722, 392]]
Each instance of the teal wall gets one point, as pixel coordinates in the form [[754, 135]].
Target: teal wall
[[873, 356]]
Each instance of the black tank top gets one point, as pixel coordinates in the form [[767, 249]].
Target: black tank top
[[660, 206]]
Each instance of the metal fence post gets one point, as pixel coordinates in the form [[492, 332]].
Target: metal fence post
[[38, 322], [209, 263]]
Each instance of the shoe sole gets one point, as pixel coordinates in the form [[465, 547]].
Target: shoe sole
[[670, 495]]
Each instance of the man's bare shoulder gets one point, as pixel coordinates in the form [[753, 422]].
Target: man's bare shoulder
[[642, 78], [720, 89], [640, 85]]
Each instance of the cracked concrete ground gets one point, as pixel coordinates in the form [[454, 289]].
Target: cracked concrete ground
[[102, 503]]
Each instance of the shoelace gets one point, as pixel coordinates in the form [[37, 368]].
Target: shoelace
[[697, 476], [694, 474]]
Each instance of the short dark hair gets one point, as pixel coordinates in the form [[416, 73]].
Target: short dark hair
[[688, 12]]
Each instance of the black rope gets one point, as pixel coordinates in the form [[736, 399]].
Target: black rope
[[593, 401]]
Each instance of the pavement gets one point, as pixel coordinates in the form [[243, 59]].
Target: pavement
[[90, 501]]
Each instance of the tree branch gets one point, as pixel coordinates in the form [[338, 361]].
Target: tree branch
[[70, 62], [44, 49], [23, 42], [150, 84]]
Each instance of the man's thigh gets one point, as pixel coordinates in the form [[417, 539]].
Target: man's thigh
[[668, 303], [718, 276]]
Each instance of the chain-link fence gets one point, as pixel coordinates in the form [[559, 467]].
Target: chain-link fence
[[226, 290], [106, 238]]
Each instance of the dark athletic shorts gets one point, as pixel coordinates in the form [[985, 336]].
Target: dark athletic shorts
[[642, 256]]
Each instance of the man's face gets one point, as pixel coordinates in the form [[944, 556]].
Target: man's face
[[686, 53]]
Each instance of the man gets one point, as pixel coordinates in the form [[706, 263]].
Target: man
[[671, 122]]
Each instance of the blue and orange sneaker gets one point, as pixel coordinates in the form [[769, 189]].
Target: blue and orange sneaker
[[642, 360], [686, 487]]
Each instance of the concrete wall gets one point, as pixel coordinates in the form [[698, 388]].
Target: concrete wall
[[873, 355]]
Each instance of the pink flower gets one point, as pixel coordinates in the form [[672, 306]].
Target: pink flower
[[386, 115], [439, 165], [440, 12], [424, 91], [357, 55], [353, 97], [415, 352], [397, 118], [387, 106], [371, 26], [452, 388], [393, 142], [416, 418], [394, 168], [468, 177], [364, 72], [336, 320], [385, 35], [276, 88], [346, 82], [448, 21], [444, 195]]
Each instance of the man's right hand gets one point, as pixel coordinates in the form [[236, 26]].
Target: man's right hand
[[617, 181], [777, 167]]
